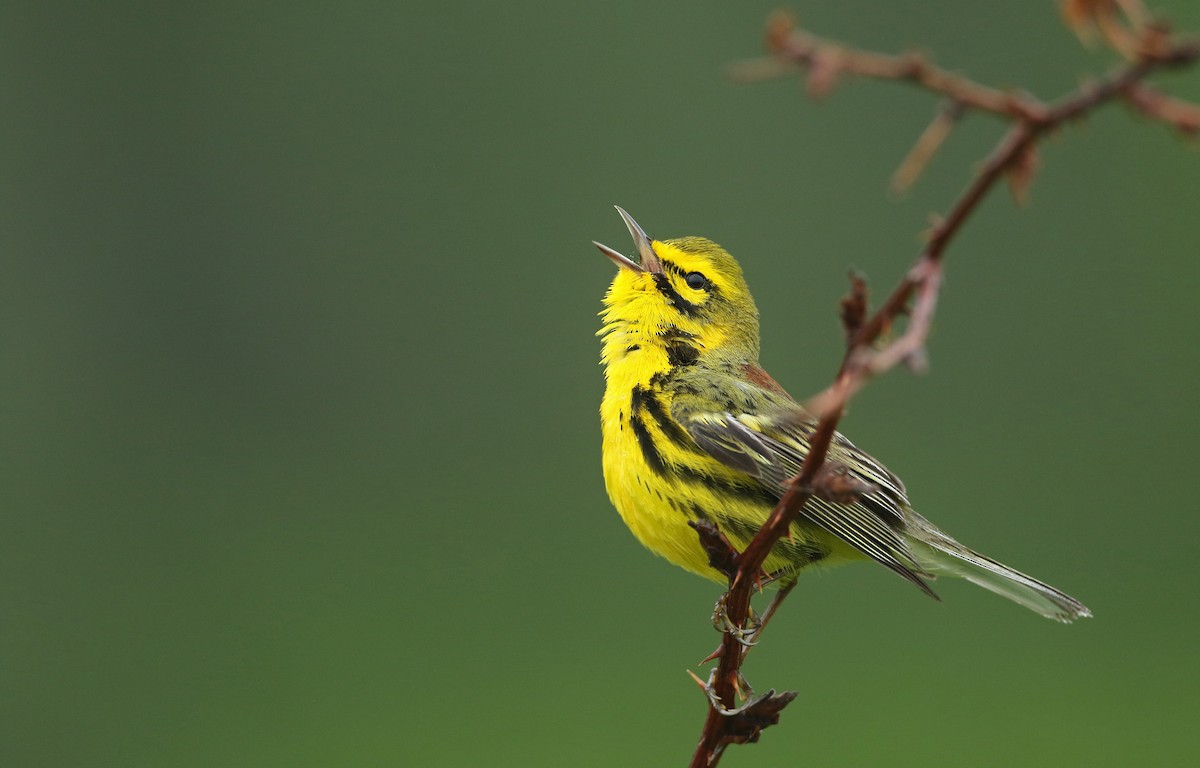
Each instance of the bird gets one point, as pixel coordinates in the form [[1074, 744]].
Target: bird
[[694, 430]]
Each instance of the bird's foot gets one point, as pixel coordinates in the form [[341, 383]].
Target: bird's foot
[[722, 623]]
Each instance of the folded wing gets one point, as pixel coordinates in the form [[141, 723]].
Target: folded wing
[[772, 448]]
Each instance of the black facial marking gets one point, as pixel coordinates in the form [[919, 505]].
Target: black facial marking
[[663, 283], [671, 266], [681, 353], [675, 333]]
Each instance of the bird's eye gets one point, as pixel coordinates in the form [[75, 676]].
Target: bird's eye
[[696, 281]]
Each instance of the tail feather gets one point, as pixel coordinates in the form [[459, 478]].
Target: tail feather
[[940, 554]]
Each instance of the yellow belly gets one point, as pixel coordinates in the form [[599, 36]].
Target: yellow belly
[[657, 505], [641, 497]]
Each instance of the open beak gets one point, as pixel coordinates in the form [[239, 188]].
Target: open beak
[[641, 242]]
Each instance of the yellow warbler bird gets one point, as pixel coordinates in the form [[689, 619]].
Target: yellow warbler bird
[[694, 430]]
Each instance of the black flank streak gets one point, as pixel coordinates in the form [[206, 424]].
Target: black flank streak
[[751, 490], [637, 403], [646, 443], [739, 528]]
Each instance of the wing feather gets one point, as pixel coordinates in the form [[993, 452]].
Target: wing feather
[[772, 450]]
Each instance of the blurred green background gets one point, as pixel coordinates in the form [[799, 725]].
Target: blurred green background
[[300, 437]]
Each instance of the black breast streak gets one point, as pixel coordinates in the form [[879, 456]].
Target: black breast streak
[[646, 443], [645, 401]]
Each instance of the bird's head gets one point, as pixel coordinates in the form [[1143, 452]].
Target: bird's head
[[689, 285]]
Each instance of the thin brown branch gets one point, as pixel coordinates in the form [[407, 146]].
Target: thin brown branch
[[928, 143], [793, 48], [1182, 115], [1015, 141], [1031, 120], [1148, 45]]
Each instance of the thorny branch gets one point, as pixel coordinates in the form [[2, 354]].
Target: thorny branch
[[1126, 27]]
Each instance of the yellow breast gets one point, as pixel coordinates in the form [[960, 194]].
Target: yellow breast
[[659, 486], [651, 503]]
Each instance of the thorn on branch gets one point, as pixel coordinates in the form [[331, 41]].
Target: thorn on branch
[[854, 306], [721, 554], [1021, 171], [716, 654]]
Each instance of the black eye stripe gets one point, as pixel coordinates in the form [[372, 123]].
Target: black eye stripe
[[694, 280]]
